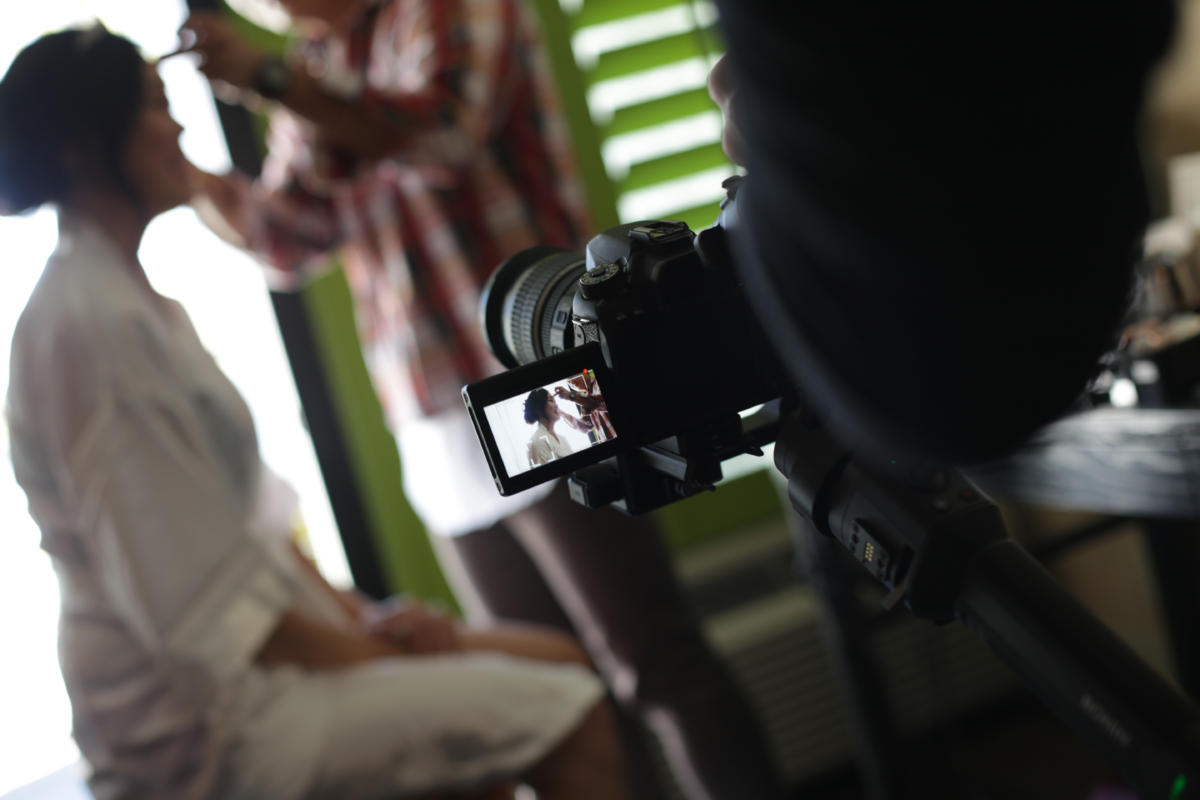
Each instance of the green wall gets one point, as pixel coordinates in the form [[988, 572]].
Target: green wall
[[407, 557]]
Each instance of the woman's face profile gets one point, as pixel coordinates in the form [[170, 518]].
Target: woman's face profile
[[551, 410], [154, 165]]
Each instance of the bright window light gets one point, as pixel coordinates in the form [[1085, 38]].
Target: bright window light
[[589, 43], [668, 197], [622, 152], [605, 97], [266, 13]]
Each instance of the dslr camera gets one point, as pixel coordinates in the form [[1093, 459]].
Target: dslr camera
[[648, 338], [636, 367]]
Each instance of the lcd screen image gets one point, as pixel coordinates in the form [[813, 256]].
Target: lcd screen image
[[550, 422]]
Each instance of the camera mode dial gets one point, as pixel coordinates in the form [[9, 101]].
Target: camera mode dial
[[601, 281]]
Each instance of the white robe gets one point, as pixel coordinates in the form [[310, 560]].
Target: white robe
[[545, 447], [169, 539]]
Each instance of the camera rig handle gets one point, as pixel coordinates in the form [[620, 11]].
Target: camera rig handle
[[939, 545], [676, 467]]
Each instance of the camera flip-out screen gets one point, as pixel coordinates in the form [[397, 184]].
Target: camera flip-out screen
[[545, 419]]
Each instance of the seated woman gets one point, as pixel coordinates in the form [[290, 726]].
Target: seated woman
[[546, 445], [203, 655]]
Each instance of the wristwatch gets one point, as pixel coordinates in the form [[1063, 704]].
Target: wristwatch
[[272, 78]]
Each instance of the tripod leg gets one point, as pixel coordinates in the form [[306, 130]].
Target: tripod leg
[[1175, 554], [821, 563]]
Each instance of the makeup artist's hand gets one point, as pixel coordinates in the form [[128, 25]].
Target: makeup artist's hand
[[225, 55], [721, 89]]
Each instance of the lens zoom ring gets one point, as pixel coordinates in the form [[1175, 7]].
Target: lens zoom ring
[[528, 296], [553, 294]]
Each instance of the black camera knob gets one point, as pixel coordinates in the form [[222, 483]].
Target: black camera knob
[[601, 281]]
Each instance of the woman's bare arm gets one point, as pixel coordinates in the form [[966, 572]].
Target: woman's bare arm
[[308, 642], [354, 603]]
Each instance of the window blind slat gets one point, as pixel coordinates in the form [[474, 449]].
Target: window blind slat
[[657, 112], [648, 55], [597, 12], [676, 165], [644, 63]]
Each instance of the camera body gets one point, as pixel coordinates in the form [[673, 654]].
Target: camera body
[[655, 313]]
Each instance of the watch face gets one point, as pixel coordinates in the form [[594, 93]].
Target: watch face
[[273, 78]]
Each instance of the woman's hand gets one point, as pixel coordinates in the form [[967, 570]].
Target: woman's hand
[[416, 628]]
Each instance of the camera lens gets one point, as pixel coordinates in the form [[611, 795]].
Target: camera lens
[[526, 304]]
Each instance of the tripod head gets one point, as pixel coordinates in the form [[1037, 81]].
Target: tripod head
[[939, 545]]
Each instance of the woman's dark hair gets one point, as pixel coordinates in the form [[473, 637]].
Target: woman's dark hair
[[77, 91], [535, 405]]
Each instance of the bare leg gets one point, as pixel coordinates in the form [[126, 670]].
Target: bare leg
[[526, 641], [497, 583], [613, 576], [588, 764]]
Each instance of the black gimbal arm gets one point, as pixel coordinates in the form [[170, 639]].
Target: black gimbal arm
[[940, 546]]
